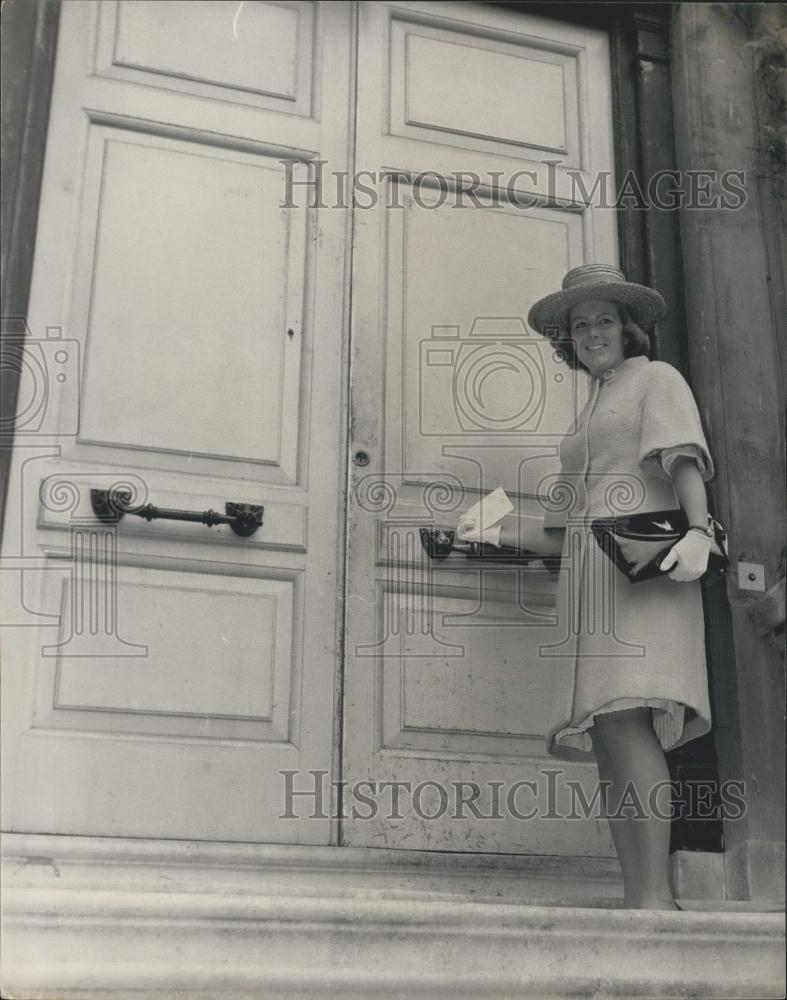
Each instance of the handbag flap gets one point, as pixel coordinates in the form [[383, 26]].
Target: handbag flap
[[631, 539]]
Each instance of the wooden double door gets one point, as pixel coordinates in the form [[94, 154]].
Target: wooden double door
[[283, 258]]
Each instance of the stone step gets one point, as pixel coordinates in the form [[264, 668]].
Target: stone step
[[294, 870], [116, 919]]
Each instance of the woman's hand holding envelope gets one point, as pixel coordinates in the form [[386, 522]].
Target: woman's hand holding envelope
[[468, 530], [524, 532], [480, 522]]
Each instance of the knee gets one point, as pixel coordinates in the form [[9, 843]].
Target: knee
[[615, 729]]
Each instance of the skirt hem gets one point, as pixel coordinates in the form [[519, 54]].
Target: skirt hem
[[669, 724]]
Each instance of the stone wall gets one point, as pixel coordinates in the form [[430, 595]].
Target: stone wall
[[726, 60]]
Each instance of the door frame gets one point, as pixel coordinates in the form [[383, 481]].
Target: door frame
[[29, 42]]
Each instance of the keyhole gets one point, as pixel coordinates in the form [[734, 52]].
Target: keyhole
[[290, 334], [361, 458]]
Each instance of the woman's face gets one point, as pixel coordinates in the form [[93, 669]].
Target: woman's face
[[597, 332]]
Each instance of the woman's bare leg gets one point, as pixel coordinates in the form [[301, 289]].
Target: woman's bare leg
[[631, 759]]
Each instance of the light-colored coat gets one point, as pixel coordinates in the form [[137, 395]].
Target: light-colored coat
[[620, 645]]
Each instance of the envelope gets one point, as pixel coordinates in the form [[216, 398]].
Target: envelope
[[490, 509]]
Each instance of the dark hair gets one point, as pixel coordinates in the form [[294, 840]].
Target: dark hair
[[635, 340]]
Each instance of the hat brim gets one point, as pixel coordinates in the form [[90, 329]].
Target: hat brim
[[549, 316]]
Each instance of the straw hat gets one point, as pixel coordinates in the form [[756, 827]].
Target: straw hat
[[595, 281]]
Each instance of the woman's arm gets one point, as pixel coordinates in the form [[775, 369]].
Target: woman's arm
[[690, 489], [688, 558], [527, 531]]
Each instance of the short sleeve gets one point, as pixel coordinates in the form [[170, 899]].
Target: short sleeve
[[670, 424], [668, 456]]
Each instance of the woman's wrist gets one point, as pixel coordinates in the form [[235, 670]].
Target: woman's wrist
[[526, 533], [492, 536], [702, 526]]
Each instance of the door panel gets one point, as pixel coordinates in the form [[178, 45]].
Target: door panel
[[452, 395], [272, 47], [461, 102], [455, 353], [210, 223], [237, 629], [158, 675]]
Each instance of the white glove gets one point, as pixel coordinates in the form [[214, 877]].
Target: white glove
[[688, 558], [468, 531]]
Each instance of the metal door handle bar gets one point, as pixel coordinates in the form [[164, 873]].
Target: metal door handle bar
[[111, 505], [439, 543]]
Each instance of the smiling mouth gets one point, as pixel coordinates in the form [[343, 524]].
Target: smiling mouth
[[596, 347]]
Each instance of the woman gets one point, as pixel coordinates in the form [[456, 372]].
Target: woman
[[629, 678]]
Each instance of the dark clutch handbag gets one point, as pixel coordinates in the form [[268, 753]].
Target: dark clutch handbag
[[629, 539]]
